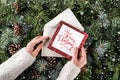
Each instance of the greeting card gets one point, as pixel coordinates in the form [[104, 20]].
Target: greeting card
[[50, 28], [65, 38]]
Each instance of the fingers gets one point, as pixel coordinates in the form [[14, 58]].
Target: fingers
[[40, 39], [83, 52], [37, 50], [37, 40], [34, 42], [80, 62], [83, 57], [44, 38], [75, 55]]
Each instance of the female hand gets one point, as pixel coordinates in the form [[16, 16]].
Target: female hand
[[79, 59], [31, 45]]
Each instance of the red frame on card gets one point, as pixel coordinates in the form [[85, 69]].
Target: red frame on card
[[55, 34]]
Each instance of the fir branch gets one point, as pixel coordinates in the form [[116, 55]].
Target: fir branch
[[53, 73], [8, 37], [101, 47], [3, 56], [16, 39], [102, 16], [5, 38], [41, 65], [116, 73]]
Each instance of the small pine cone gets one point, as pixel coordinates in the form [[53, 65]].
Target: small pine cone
[[51, 61], [13, 48], [35, 74], [17, 29], [16, 6]]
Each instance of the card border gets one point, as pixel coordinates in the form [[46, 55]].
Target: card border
[[56, 32]]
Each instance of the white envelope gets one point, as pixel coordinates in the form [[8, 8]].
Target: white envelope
[[50, 27]]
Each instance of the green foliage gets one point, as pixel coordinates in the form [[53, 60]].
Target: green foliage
[[100, 18], [116, 72], [41, 65], [8, 37], [101, 47], [3, 56], [54, 72]]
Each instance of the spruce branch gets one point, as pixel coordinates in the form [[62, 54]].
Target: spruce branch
[[41, 65], [8, 37], [3, 56], [54, 72], [101, 47]]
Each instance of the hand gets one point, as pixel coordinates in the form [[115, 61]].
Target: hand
[[80, 60], [30, 46]]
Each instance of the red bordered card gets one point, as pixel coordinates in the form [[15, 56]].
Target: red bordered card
[[65, 38]]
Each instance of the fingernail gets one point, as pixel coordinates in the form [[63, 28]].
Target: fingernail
[[46, 36]]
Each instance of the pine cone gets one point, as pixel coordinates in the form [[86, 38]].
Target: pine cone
[[17, 29], [51, 61], [34, 74], [13, 48], [16, 6]]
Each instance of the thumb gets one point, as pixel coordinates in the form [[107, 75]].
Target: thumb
[[75, 54]]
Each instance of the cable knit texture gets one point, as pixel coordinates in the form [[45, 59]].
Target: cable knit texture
[[15, 65], [69, 72]]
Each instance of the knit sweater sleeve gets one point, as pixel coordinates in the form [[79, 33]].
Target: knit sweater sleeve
[[14, 66], [69, 72]]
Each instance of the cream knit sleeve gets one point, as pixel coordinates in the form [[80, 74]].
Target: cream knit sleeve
[[14, 66], [69, 72]]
